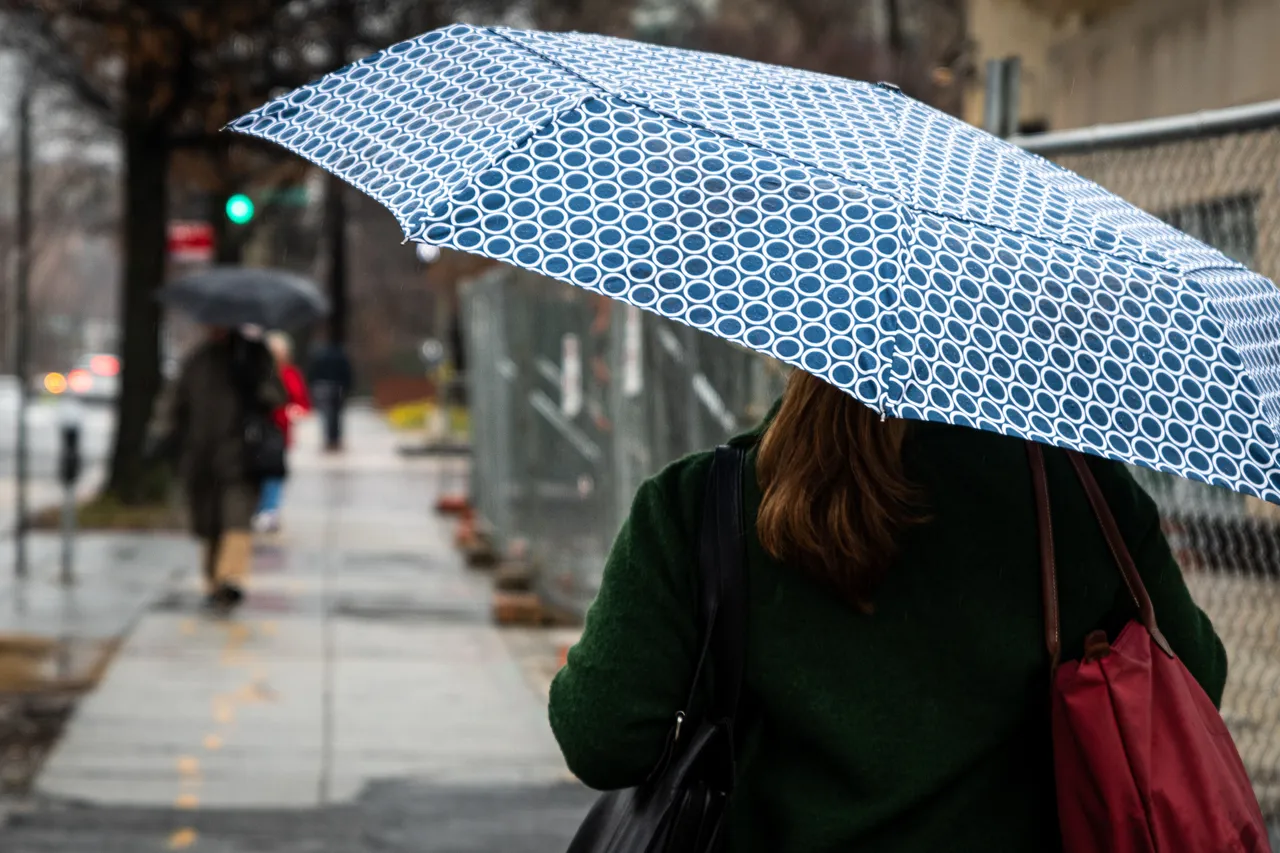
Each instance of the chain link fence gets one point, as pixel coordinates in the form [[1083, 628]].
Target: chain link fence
[[1217, 177], [576, 398]]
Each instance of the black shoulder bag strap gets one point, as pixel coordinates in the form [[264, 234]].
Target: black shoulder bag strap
[[682, 805], [722, 602]]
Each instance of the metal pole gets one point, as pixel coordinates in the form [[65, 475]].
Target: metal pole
[[1260, 116], [1012, 97], [994, 104], [69, 472], [335, 211], [336, 231], [21, 319], [68, 534]]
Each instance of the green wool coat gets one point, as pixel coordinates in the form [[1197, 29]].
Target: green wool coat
[[923, 727]]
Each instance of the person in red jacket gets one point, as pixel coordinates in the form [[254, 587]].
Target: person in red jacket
[[298, 404]]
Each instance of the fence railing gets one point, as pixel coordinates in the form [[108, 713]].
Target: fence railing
[[575, 399]]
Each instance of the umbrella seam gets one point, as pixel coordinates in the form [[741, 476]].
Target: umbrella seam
[[816, 168]]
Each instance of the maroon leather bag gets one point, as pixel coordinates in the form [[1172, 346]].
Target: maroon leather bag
[[1142, 759]]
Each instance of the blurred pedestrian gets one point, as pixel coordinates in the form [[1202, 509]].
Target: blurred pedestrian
[[331, 380], [896, 685], [210, 417], [298, 404]]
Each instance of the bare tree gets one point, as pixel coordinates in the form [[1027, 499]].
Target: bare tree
[[75, 185], [168, 76], [917, 44]]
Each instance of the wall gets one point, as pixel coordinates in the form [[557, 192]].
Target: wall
[[1000, 28], [1143, 59], [1166, 57]]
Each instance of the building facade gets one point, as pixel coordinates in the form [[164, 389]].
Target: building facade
[[1087, 62]]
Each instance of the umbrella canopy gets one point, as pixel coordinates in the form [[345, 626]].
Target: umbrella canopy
[[237, 296], [927, 268]]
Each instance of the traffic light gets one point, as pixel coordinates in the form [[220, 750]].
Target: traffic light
[[239, 208]]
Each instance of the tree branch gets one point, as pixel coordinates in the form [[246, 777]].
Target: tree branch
[[50, 55]]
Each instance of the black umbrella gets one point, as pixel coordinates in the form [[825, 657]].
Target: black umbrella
[[237, 296]]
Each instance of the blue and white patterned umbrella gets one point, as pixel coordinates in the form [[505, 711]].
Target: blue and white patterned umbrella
[[929, 269]]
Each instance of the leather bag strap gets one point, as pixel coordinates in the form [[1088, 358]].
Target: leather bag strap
[[1048, 572], [1115, 541], [722, 584]]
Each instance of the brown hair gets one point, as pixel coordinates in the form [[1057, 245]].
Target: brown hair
[[835, 493]]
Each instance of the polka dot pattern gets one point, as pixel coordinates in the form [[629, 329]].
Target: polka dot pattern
[[928, 269]]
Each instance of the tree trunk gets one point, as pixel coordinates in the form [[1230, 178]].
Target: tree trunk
[[146, 156]]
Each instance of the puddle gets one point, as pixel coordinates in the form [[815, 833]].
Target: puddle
[[30, 664], [30, 725], [257, 601], [391, 559], [393, 610], [41, 679]]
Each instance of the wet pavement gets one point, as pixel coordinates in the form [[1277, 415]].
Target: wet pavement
[[362, 700], [391, 816]]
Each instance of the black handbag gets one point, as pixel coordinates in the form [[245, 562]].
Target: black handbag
[[265, 454], [264, 447], [683, 806]]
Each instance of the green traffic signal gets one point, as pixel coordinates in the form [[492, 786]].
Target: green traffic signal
[[239, 209]]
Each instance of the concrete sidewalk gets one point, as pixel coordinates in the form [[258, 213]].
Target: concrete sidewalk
[[362, 686]]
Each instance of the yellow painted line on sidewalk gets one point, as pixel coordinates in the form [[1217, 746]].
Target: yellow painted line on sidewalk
[[183, 838], [213, 742], [189, 765], [238, 632], [223, 710], [187, 801], [255, 692]]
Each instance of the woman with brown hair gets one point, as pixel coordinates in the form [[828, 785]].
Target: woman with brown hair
[[896, 685]]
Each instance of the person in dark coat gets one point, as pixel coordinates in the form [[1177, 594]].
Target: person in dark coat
[[896, 691], [330, 378], [200, 418]]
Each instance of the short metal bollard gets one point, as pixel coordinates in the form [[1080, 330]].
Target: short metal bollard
[[69, 465]]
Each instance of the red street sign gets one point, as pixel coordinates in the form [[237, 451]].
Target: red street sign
[[190, 242]]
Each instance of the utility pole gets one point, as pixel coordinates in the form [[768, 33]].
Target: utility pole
[[335, 226], [335, 209], [21, 318]]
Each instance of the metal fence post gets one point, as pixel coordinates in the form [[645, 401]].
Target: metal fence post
[[22, 322], [70, 420]]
